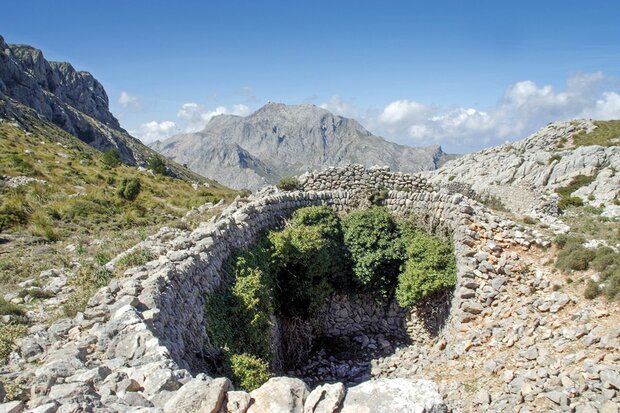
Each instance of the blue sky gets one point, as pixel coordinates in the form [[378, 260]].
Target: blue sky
[[462, 74]]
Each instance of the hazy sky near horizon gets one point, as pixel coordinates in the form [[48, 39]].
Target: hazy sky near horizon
[[464, 74]]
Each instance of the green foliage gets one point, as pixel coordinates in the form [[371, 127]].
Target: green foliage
[[20, 165], [300, 258], [574, 256], [607, 133], [288, 183], [378, 196], [592, 291], [576, 183], [372, 238], [571, 201], [9, 333], [7, 308], [248, 372], [14, 210], [134, 259], [451, 178], [129, 188], [248, 303], [157, 165], [492, 202], [430, 268], [111, 158]]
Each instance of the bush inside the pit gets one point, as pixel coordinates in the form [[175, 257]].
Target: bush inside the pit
[[290, 273]]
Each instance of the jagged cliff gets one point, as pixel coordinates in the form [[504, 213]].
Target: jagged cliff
[[279, 140], [32, 87]]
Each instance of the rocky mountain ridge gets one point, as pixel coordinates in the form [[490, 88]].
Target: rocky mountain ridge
[[279, 140], [31, 87]]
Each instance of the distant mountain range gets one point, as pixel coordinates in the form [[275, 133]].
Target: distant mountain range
[[279, 140], [32, 87]]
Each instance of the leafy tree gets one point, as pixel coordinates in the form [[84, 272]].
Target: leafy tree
[[372, 238], [111, 158], [129, 188], [430, 267], [157, 165]]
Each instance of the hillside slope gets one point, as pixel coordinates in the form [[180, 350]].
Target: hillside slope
[[576, 159], [279, 140], [31, 86]]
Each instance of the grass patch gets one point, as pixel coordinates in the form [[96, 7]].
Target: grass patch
[[576, 183], [134, 259], [607, 133]]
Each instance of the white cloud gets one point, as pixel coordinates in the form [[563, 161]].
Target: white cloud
[[340, 107], [128, 101], [523, 108], [195, 117], [152, 131]]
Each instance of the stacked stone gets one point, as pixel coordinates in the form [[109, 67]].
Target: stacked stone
[[357, 177], [140, 336]]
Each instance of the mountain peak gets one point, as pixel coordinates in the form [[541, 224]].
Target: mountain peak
[[281, 140]]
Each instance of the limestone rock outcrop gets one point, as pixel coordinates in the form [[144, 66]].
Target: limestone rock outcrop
[[525, 173]]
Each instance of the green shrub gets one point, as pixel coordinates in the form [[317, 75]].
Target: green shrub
[[157, 165], [451, 178], [14, 210], [9, 333], [378, 196], [20, 165], [248, 372], [430, 268], [111, 158], [288, 183], [571, 201], [372, 238], [8, 308], [574, 256], [576, 183], [129, 188], [248, 303], [300, 260], [592, 291]]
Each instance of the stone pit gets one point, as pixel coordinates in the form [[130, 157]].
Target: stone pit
[[145, 333]]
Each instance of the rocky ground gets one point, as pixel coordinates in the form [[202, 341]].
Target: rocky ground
[[539, 346]]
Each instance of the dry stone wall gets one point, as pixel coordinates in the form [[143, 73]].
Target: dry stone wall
[[141, 337]]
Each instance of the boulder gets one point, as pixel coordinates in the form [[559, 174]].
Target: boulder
[[279, 395], [325, 398], [394, 396], [199, 395], [236, 402]]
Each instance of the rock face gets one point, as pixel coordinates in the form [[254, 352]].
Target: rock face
[[522, 174], [279, 140], [32, 87]]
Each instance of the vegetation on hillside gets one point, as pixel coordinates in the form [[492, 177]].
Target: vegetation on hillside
[[290, 273], [574, 256], [607, 133], [80, 209]]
